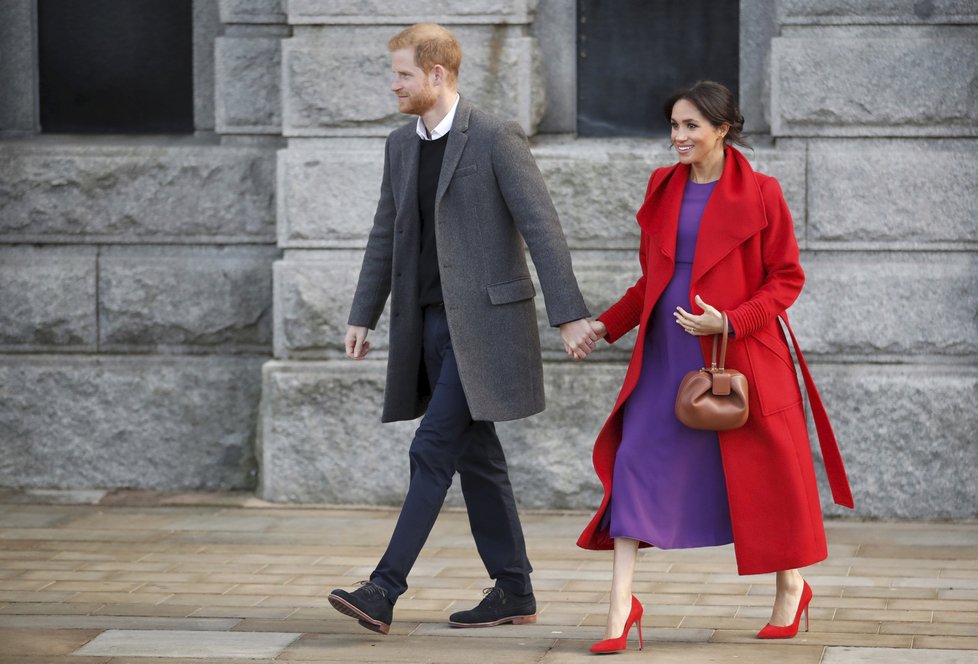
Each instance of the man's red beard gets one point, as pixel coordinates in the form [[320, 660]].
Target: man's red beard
[[421, 103]]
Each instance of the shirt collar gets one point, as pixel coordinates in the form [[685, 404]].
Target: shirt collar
[[443, 127]]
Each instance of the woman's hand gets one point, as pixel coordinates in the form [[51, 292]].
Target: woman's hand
[[598, 328], [578, 338], [710, 322]]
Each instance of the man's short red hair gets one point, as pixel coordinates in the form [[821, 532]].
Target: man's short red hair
[[433, 45]]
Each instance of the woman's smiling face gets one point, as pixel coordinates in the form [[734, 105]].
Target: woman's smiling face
[[695, 139]]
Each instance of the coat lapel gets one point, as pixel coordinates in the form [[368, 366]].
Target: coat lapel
[[733, 214], [407, 198], [457, 138], [659, 215]]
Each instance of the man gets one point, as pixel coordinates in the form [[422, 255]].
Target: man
[[460, 188]]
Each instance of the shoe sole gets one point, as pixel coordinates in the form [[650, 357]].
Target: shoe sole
[[348, 609], [516, 620]]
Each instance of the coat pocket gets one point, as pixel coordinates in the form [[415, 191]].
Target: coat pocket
[[465, 171], [514, 290], [774, 382], [777, 344]]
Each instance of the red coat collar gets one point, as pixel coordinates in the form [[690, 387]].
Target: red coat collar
[[734, 213]]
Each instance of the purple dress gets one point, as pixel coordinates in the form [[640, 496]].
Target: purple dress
[[668, 488]]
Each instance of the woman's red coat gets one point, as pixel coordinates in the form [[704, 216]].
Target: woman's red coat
[[746, 263]]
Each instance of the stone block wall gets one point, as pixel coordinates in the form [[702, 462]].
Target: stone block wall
[[500, 73], [172, 309], [135, 308], [136, 276]]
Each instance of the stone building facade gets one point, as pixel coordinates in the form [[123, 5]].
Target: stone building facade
[[172, 307]]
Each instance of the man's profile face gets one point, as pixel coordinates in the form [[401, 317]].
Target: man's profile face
[[415, 94]]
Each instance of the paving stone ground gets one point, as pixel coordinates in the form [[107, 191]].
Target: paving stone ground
[[137, 577]]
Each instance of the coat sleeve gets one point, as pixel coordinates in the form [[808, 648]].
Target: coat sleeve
[[374, 284], [783, 276], [525, 193], [626, 313]]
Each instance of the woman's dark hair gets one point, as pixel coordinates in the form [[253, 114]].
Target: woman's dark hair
[[716, 103]]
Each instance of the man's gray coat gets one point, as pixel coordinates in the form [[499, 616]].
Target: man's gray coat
[[490, 198]]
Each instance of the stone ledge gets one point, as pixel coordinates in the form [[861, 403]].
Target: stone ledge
[[148, 423], [407, 12], [908, 436], [894, 191], [321, 429], [48, 299], [312, 305], [200, 299], [872, 12], [328, 188], [313, 297], [327, 195], [253, 11], [501, 74], [598, 186], [248, 88], [904, 304], [842, 246], [91, 192], [873, 82]]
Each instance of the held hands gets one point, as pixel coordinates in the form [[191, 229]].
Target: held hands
[[710, 322], [579, 338], [356, 342]]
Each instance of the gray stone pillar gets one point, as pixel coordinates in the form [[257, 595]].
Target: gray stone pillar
[[555, 28], [18, 67], [248, 60], [758, 25], [207, 26]]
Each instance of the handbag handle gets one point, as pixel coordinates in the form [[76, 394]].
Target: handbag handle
[[723, 350]]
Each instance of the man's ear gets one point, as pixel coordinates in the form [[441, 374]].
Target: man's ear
[[438, 75]]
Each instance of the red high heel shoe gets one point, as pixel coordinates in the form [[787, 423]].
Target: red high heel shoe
[[616, 645], [787, 631]]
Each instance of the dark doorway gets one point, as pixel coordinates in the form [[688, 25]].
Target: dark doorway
[[116, 66], [633, 53]]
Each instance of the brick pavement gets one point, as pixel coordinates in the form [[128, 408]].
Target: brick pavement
[[220, 578]]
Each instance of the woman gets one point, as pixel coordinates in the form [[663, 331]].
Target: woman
[[716, 237]]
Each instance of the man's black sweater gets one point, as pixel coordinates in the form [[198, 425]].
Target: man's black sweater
[[429, 168]]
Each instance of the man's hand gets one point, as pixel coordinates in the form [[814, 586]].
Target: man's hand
[[579, 338], [356, 342]]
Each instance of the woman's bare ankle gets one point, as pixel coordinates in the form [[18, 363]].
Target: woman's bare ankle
[[617, 614]]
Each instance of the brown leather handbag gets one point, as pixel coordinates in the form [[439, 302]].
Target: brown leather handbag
[[714, 399]]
